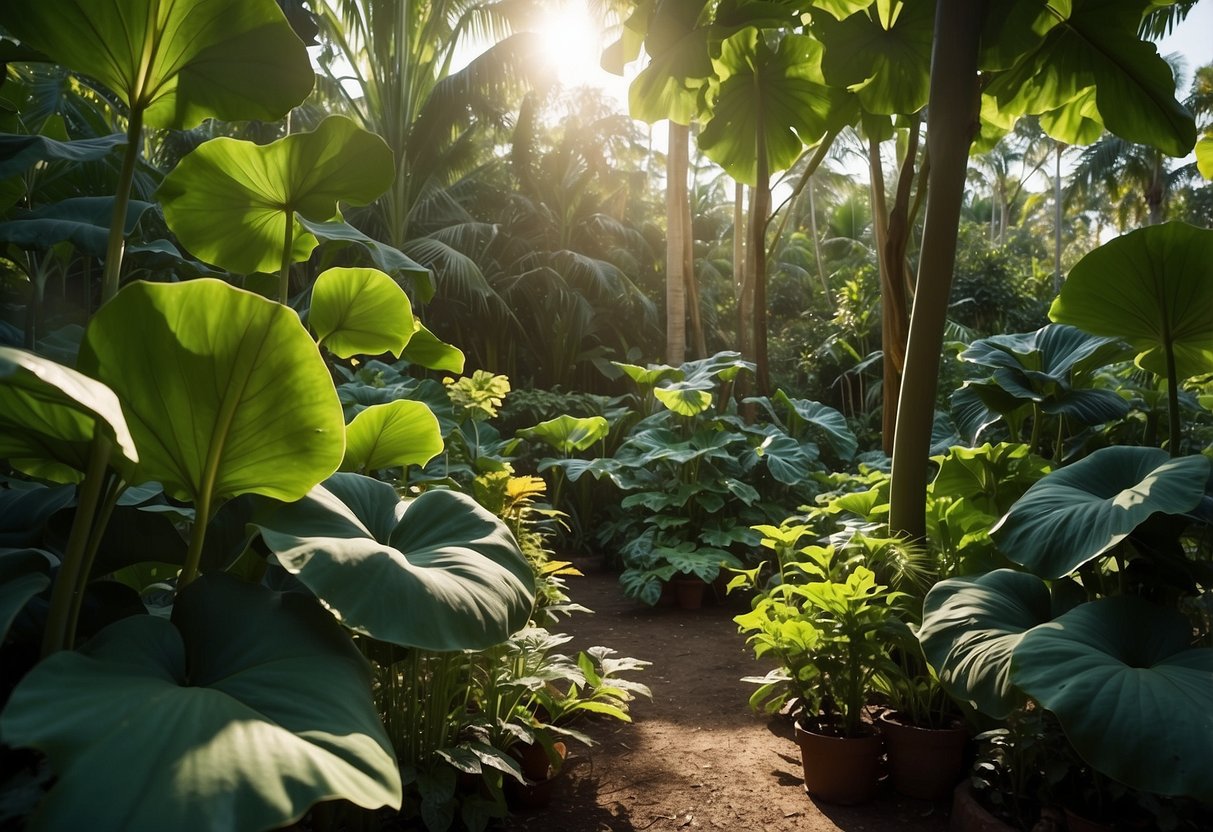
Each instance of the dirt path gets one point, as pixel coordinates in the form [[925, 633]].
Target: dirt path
[[696, 757]]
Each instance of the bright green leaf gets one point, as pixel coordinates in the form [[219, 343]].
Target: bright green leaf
[[229, 201], [224, 391], [569, 434], [360, 312], [426, 349], [388, 435]]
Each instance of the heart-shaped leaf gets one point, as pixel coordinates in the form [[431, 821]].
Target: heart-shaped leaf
[[178, 63], [569, 434], [426, 349], [49, 415], [1130, 692], [1081, 511], [389, 435], [360, 312], [224, 391], [446, 574], [220, 716], [822, 419], [1153, 287], [230, 201], [971, 627]]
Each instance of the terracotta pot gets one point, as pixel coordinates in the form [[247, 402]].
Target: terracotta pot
[[542, 776], [1077, 823], [842, 770], [925, 763], [968, 815], [689, 592]]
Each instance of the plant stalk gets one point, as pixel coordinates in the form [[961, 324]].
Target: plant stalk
[[116, 244], [65, 598], [284, 274]]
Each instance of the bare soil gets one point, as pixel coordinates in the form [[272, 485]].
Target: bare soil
[[696, 756]]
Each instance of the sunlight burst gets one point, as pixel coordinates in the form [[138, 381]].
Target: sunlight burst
[[572, 43]]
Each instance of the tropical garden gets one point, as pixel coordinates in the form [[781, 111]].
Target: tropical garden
[[333, 333]]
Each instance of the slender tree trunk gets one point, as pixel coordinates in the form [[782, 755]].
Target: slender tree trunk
[[688, 271], [821, 269], [675, 258], [952, 123], [739, 261], [1057, 219], [760, 209]]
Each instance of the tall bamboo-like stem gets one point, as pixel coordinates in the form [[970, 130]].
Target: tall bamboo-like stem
[[116, 244], [759, 216], [675, 280], [1057, 219], [952, 121], [65, 597], [738, 239]]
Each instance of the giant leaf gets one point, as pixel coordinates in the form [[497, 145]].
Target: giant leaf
[[230, 201], [1134, 698], [436, 572], [569, 434], [224, 391], [776, 92], [49, 415], [821, 419], [971, 627], [20, 153], [426, 349], [84, 221], [394, 434], [242, 712], [1153, 287], [1083, 510], [360, 312], [1093, 44], [178, 63]]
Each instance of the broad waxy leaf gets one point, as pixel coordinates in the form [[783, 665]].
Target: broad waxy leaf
[[49, 415], [20, 153], [778, 92], [84, 221], [360, 312], [218, 716], [1081, 511], [1153, 287], [1093, 44], [229, 201], [882, 53], [1204, 157], [426, 349], [23, 574], [398, 433], [684, 398], [668, 87], [224, 391], [179, 63], [821, 418], [1134, 698], [569, 434], [970, 628], [447, 574], [651, 375]]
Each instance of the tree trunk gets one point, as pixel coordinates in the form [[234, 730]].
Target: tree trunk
[[821, 269], [1057, 220], [760, 209], [676, 197], [952, 115], [688, 271]]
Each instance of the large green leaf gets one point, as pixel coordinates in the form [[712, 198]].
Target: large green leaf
[[883, 53], [971, 627], [84, 221], [651, 375], [685, 398], [669, 86], [179, 63], [1081, 511], [1204, 157], [426, 349], [821, 419], [49, 415], [437, 572], [230, 201], [360, 312], [1094, 44], [392, 434], [1153, 287], [224, 391], [569, 434], [340, 234], [241, 713], [1133, 697], [20, 153], [776, 92]]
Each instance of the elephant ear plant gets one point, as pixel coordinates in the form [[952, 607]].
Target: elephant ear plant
[[1094, 630], [214, 392]]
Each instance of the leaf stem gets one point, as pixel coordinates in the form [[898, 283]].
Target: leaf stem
[[65, 598], [284, 274], [112, 492], [116, 244]]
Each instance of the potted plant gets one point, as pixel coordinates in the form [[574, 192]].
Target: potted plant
[[826, 635]]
